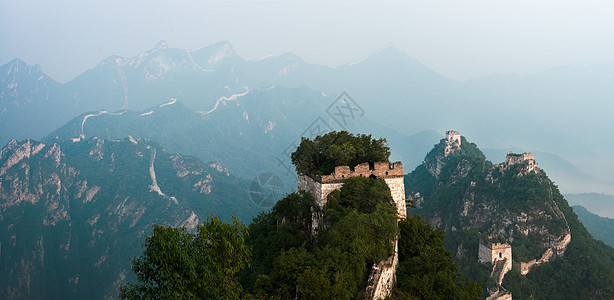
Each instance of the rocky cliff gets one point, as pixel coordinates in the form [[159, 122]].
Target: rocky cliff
[[72, 215]]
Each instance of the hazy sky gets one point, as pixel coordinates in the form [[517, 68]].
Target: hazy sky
[[458, 38]]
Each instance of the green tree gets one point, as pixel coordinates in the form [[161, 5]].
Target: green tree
[[426, 269], [358, 228], [359, 193], [177, 264], [321, 155]]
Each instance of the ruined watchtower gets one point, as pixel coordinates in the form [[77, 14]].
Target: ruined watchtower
[[391, 173], [500, 255], [495, 252], [453, 136], [453, 141], [515, 158]]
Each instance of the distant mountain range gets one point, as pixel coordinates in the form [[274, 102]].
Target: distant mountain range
[[563, 111], [599, 204], [252, 133]]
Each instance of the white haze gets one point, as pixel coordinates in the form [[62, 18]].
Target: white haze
[[459, 39]]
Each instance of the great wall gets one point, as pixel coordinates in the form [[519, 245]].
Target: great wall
[[382, 277]]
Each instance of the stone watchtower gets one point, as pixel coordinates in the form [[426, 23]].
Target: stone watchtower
[[382, 276], [500, 255], [453, 142], [452, 136], [495, 252], [514, 158], [392, 173]]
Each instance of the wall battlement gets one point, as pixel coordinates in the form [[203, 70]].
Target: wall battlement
[[381, 170], [391, 173]]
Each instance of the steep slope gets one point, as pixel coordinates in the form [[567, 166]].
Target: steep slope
[[73, 214], [514, 203], [600, 228]]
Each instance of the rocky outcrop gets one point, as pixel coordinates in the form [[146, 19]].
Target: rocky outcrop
[[73, 214]]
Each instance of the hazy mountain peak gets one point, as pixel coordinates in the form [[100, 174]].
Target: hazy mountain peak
[[213, 53], [15, 62], [18, 66], [216, 45], [390, 51], [289, 56], [161, 45], [224, 49]]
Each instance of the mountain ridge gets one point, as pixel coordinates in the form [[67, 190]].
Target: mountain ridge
[[512, 204], [73, 214]]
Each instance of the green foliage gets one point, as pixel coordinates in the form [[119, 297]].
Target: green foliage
[[358, 193], [421, 180], [357, 231], [321, 155], [601, 228], [426, 269], [181, 265], [108, 229], [585, 271], [286, 226]]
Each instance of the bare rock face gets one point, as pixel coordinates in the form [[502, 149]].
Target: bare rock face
[[72, 215]]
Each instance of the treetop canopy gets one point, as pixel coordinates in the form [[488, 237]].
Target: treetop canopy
[[321, 155]]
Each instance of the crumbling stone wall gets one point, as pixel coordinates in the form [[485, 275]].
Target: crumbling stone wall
[[557, 249], [397, 191], [513, 158], [382, 277], [318, 190]]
